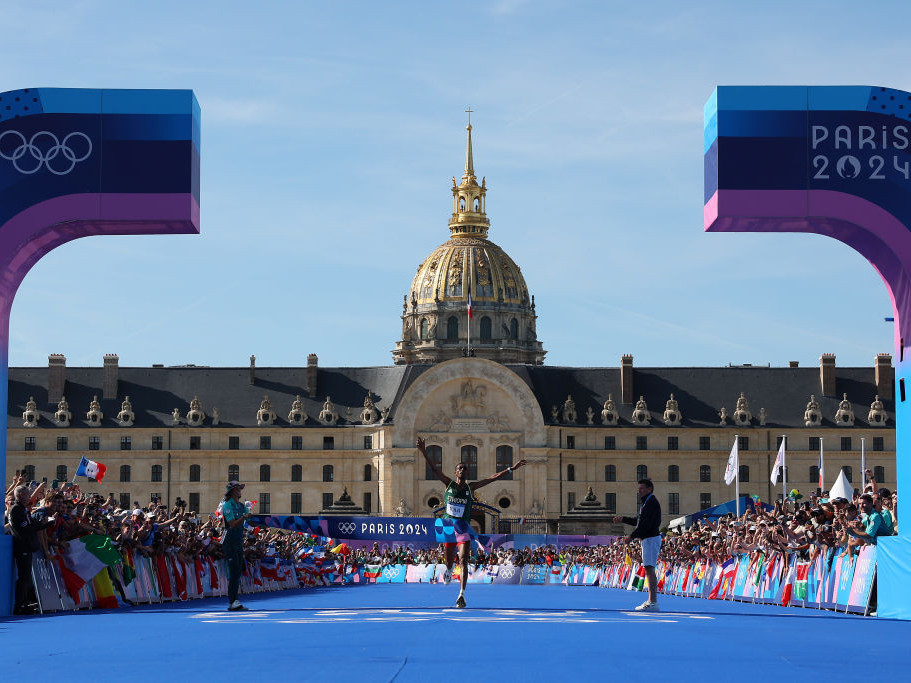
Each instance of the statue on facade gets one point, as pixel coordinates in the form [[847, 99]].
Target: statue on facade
[[569, 410]]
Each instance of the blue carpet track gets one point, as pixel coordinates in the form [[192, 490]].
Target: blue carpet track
[[411, 632]]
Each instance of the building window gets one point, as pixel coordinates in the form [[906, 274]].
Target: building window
[[570, 501], [368, 502], [265, 473], [368, 472], [470, 460], [673, 443], [94, 443], [570, 442], [610, 501], [126, 443], [610, 473], [743, 443], [814, 474], [435, 455], [124, 473], [297, 443], [485, 328], [452, 328], [125, 501], [297, 473], [610, 443], [673, 473], [328, 473], [879, 473], [30, 443], [193, 502], [327, 501], [513, 329], [368, 443], [673, 503], [846, 443], [813, 443], [641, 443], [570, 473], [265, 504], [705, 500], [62, 473], [504, 460], [296, 504], [195, 473], [233, 472], [705, 443], [423, 329], [849, 473], [705, 473], [328, 443], [878, 443], [157, 443], [29, 473], [195, 443], [62, 443], [233, 443], [744, 474], [156, 472], [641, 472], [778, 441], [265, 443]]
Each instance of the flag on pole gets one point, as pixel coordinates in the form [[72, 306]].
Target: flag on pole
[[91, 469], [730, 472], [470, 314], [822, 466], [779, 463], [863, 463]]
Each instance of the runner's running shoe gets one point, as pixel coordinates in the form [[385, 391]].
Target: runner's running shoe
[[460, 603], [648, 607], [447, 576]]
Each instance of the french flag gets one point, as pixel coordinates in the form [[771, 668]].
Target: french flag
[[470, 314], [91, 469]]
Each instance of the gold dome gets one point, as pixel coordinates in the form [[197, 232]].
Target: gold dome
[[435, 322]]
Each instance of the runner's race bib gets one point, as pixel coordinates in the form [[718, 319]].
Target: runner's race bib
[[455, 509]]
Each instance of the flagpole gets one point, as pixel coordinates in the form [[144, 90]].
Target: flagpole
[[863, 466], [784, 471], [737, 475]]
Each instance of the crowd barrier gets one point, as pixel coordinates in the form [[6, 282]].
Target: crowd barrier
[[163, 578], [830, 581]]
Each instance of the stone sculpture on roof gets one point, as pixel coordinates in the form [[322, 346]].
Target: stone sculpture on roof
[[641, 416], [672, 415], [569, 410], [265, 416], [297, 416], [742, 415], [369, 414], [94, 415], [126, 416], [877, 416], [811, 416], [30, 417], [328, 415], [63, 415], [845, 413], [609, 413], [195, 415]]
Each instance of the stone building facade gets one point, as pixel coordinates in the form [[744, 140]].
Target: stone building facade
[[302, 437]]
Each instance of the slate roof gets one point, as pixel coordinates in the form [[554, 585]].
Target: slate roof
[[700, 392]]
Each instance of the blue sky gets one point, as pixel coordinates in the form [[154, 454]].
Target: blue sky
[[330, 132]]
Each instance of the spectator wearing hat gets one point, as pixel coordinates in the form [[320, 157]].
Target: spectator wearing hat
[[235, 514]]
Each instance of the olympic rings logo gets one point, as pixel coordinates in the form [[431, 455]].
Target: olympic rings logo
[[347, 527], [44, 149]]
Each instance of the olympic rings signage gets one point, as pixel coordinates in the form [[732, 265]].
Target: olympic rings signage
[[44, 150]]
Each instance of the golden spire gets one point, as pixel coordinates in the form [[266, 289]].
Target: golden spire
[[469, 216], [469, 157]]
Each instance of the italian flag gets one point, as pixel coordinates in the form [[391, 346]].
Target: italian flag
[[788, 586], [373, 571], [639, 580], [84, 558]]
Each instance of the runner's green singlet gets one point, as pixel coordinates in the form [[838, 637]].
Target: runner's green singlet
[[458, 502]]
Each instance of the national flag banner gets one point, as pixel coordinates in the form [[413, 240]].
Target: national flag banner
[[801, 578], [372, 571], [91, 469], [789, 585], [722, 577], [84, 558], [639, 579], [822, 466], [778, 467], [470, 312], [730, 472]]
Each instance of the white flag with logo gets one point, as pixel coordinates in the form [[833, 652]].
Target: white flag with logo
[[779, 463], [730, 472]]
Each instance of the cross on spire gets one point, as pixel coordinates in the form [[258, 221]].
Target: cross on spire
[[469, 110]]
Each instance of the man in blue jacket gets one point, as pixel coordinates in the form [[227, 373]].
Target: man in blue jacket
[[647, 524]]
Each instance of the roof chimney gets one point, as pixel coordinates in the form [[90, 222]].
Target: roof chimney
[[885, 376], [793, 364], [626, 378], [109, 376], [252, 369], [56, 377], [312, 370], [827, 374]]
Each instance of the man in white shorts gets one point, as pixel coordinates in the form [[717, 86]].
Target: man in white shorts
[[647, 525]]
